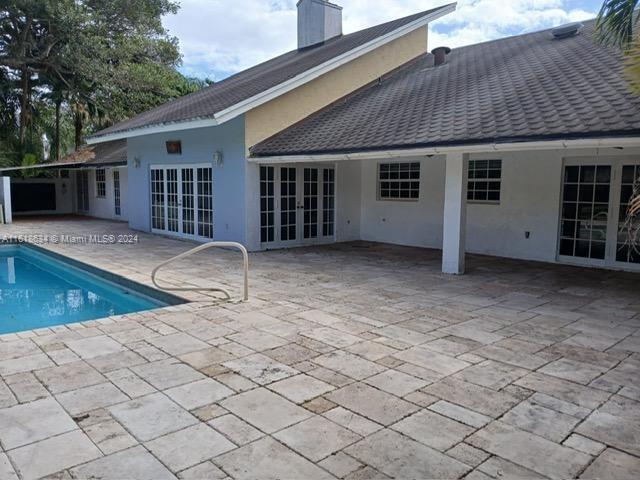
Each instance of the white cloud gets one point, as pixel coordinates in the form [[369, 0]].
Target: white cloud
[[219, 37]]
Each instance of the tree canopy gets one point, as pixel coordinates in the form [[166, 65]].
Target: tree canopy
[[69, 67]]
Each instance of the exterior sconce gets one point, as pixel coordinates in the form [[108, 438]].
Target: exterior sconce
[[136, 162], [218, 158]]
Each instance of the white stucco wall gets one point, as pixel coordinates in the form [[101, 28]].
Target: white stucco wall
[[348, 200], [198, 147], [415, 223], [530, 202], [104, 207]]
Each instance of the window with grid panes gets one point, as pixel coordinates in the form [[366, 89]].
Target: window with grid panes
[[101, 183], [484, 181], [399, 181]]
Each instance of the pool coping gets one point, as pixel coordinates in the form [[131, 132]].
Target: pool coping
[[168, 298]]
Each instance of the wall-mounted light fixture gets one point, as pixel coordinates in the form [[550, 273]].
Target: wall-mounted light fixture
[[136, 162], [218, 158]]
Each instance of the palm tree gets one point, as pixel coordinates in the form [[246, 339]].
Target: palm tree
[[616, 21], [615, 26]]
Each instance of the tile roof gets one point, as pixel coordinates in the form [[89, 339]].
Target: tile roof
[[527, 87], [107, 153], [253, 81]]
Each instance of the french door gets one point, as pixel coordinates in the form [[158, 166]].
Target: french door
[[182, 200], [297, 205], [595, 198]]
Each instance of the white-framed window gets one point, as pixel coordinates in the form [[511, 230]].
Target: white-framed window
[[399, 181], [101, 183], [484, 181]]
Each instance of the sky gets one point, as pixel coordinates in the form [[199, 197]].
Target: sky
[[221, 37]]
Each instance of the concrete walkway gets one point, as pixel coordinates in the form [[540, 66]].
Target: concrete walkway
[[353, 361]]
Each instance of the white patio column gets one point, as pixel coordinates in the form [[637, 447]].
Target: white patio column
[[455, 213], [5, 198]]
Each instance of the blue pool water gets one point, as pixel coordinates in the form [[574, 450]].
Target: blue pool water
[[40, 290]]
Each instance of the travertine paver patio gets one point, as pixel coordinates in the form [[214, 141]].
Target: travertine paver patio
[[353, 361]]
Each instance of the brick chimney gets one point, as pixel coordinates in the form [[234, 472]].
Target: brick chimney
[[318, 21]]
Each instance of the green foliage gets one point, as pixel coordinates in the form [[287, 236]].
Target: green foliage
[[100, 61], [616, 20]]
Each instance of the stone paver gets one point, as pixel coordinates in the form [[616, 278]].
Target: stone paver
[[269, 460], [373, 404], [189, 447], [198, 393], [53, 454], [265, 410], [399, 457], [336, 343], [316, 438], [529, 450], [152, 416], [135, 463], [260, 368], [433, 429], [300, 388], [31, 422]]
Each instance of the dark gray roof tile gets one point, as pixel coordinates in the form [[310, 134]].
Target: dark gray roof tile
[[248, 83], [529, 86]]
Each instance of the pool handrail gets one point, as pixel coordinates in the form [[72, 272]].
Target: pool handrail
[[199, 248]]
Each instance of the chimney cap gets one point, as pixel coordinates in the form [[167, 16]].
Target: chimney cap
[[325, 2], [437, 50]]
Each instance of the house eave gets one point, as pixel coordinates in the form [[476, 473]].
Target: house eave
[[559, 144]]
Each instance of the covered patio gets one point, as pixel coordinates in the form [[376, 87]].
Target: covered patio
[[353, 360]]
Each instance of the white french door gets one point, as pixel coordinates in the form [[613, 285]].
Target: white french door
[[595, 197], [182, 200], [297, 205]]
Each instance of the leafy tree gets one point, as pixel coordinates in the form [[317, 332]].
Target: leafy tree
[[73, 66]]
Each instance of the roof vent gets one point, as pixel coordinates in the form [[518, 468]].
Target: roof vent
[[440, 54], [568, 30]]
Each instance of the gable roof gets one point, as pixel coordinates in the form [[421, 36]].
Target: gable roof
[[525, 88], [232, 96]]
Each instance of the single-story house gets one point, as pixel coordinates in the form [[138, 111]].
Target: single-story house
[[525, 147]]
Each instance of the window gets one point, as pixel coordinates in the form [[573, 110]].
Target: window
[[399, 181], [484, 180], [101, 183], [116, 192]]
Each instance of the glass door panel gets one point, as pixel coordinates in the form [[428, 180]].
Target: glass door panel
[[628, 237], [585, 211], [288, 201], [172, 200], [157, 199], [188, 202], [328, 201], [267, 204], [205, 202], [310, 203]]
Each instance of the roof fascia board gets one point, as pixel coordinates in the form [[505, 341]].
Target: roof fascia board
[[263, 97], [332, 64], [610, 142], [65, 165], [163, 128]]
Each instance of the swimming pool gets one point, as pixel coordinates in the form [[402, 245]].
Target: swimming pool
[[41, 289]]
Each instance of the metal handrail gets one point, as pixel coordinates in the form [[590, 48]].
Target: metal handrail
[[197, 249]]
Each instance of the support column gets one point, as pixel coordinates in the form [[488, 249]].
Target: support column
[[5, 198], [455, 213]]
